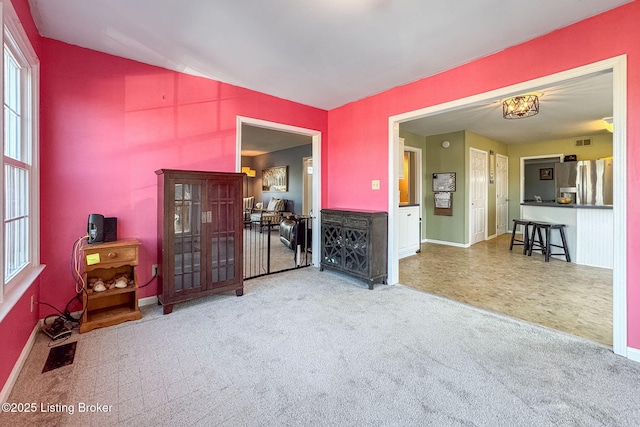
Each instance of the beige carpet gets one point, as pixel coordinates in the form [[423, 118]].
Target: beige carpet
[[310, 348]]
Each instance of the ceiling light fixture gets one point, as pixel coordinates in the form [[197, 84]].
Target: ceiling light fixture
[[520, 107]]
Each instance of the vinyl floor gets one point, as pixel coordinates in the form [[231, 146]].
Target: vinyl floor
[[564, 296]]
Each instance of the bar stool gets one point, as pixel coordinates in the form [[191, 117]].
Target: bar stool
[[537, 243], [525, 235]]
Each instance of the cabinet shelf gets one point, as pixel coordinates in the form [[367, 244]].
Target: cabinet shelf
[[111, 292], [112, 306], [110, 316]]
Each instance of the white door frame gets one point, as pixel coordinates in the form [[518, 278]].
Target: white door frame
[[506, 162], [316, 140], [485, 190], [618, 66]]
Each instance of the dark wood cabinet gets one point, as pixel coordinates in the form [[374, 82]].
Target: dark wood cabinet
[[355, 243], [200, 234]]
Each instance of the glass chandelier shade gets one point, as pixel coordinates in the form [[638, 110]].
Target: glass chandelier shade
[[520, 107]]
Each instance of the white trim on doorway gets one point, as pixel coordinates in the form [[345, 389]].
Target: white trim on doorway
[[618, 66], [316, 141]]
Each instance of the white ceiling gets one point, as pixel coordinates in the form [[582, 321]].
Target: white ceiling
[[323, 53], [572, 108]]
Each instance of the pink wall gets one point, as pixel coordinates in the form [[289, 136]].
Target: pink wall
[[15, 330], [108, 123], [361, 127]]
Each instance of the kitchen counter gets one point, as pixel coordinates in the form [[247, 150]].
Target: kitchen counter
[[588, 229], [568, 205]]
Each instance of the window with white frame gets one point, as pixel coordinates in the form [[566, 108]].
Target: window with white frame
[[19, 161]]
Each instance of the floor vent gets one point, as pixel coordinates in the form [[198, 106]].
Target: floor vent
[[582, 142]]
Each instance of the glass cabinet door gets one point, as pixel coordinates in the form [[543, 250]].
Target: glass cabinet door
[[187, 235], [223, 241]]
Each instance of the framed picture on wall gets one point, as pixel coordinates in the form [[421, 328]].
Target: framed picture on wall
[[275, 179], [546, 174]]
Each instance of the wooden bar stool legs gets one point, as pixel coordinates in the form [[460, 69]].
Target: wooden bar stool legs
[[525, 235], [544, 245]]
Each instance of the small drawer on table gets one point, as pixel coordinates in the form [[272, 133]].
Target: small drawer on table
[[111, 257], [356, 222]]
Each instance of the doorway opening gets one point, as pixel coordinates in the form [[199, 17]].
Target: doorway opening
[[532, 188], [617, 69], [278, 232], [410, 189]]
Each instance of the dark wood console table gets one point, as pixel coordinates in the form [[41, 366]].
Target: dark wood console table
[[355, 243]]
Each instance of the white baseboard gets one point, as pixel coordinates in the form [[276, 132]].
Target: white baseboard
[[633, 354], [147, 301], [442, 242], [492, 237], [13, 377]]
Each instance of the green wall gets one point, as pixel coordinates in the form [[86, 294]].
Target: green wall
[[439, 160], [435, 159]]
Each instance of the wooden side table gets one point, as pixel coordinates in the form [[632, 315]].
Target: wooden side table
[[107, 262]]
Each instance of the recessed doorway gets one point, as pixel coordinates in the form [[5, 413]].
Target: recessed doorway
[[617, 69]]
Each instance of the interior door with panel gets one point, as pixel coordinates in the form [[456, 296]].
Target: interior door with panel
[[478, 196], [502, 194]]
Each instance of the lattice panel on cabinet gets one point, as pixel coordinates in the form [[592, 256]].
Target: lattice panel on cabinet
[[355, 243], [355, 254], [332, 249]]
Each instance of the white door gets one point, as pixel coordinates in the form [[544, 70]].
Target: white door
[[478, 196], [502, 194]]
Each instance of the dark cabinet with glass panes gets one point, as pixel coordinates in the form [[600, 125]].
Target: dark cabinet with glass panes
[[355, 243], [199, 235]]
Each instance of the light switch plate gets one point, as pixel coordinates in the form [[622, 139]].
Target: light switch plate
[[375, 184]]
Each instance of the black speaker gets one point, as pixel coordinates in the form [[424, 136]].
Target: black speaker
[[110, 229], [95, 228]]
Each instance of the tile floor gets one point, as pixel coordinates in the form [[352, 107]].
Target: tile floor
[[565, 296]]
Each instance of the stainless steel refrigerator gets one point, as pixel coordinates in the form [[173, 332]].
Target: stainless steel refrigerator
[[587, 182]]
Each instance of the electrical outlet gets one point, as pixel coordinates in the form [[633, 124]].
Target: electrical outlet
[[154, 270], [32, 302], [375, 184]]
